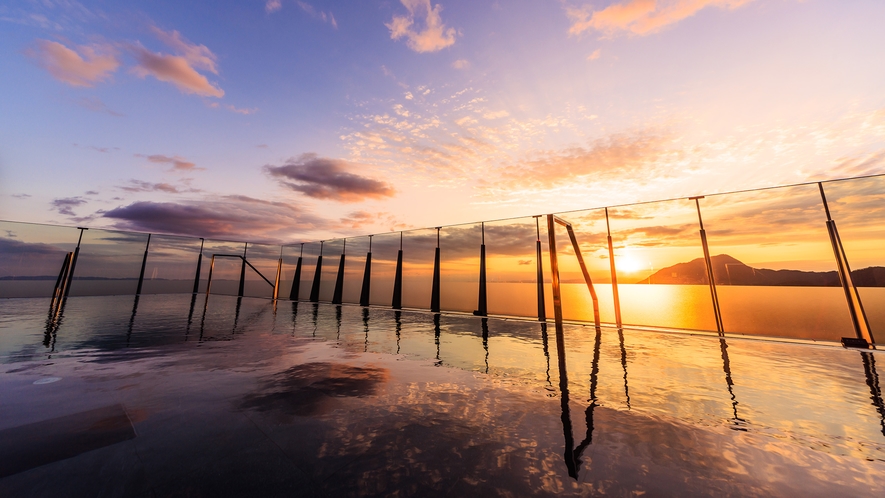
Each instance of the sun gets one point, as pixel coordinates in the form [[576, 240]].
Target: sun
[[627, 263]]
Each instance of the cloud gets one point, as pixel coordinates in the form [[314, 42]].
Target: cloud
[[96, 105], [173, 69], [232, 108], [21, 196], [461, 64], [326, 17], [634, 156], [640, 17], [178, 163], [863, 165], [93, 64], [142, 186], [66, 205], [273, 6], [366, 220], [595, 55], [181, 69], [435, 35], [324, 178], [230, 216]]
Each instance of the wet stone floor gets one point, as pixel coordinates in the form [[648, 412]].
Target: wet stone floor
[[172, 396]]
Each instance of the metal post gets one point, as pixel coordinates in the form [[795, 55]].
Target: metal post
[[209, 280], [143, 266], [242, 288], [483, 303], [339, 281], [296, 279], [73, 264], [276, 284], [611, 258], [554, 273], [397, 301], [367, 277], [855, 306], [434, 290], [577, 248], [542, 305], [62, 277], [199, 264], [717, 313], [317, 276]]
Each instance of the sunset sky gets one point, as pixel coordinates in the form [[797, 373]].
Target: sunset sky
[[288, 120]]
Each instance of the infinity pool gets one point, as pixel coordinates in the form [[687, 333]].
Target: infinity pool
[[172, 396]]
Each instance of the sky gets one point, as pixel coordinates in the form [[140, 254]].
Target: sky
[[286, 121]]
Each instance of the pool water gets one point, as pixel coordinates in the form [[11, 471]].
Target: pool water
[[169, 395]]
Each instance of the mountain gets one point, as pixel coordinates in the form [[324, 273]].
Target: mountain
[[729, 271]]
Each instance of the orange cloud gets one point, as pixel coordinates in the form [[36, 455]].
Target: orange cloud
[[640, 17], [178, 163], [435, 35], [94, 65], [174, 69]]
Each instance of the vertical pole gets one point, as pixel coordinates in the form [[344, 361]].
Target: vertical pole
[[542, 306], [367, 277], [209, 280], [337, 296], [855, 307], [397, 301], [199, 264], [57, 290], [717, 313], [554, 272], [434, 291], [317, 276], [276, 283], [483, 303], [242, 288], [611, 259], [143, 265], [296, 279], [73, 264]]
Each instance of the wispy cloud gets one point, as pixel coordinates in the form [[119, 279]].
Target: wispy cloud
[[229, 216], [143, 186], [324, 178], [85, 67], [233, 108], [326, 17], [366, 220], [66, 205], [272, 6], [178, 163], [181, 69], [639, 17], [595, 55], [433, 37], [461, 64], [96, 105]]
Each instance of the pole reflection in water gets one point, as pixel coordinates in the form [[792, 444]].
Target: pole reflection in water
[[397, 317], [294, 316], [726, 367], [132, 319], [624, 365], [485, 340], [545, 346], [316, 313], [436, 331], [573, 453], [869, 368], [237, 315], [365, 326], [53, 321], [190, 316]]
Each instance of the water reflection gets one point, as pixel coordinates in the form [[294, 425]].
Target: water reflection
[[872, 377]]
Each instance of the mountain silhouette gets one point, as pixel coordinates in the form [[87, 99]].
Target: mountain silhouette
[[729, 271]]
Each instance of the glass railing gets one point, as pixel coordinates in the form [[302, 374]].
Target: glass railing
[[801, 261]]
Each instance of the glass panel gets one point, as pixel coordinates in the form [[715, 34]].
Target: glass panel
[[857, 207], [264, 258], [590, 232], [511, 267], [459, 267], [31, 257], [774, 265], [171, 265], [309, 268], [354, 268], [384, 250], [419, 247], [226, 272], [660, 265], [332, 250], [108, 263]]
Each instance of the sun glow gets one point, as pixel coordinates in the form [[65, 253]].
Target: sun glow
[[628, 264]]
